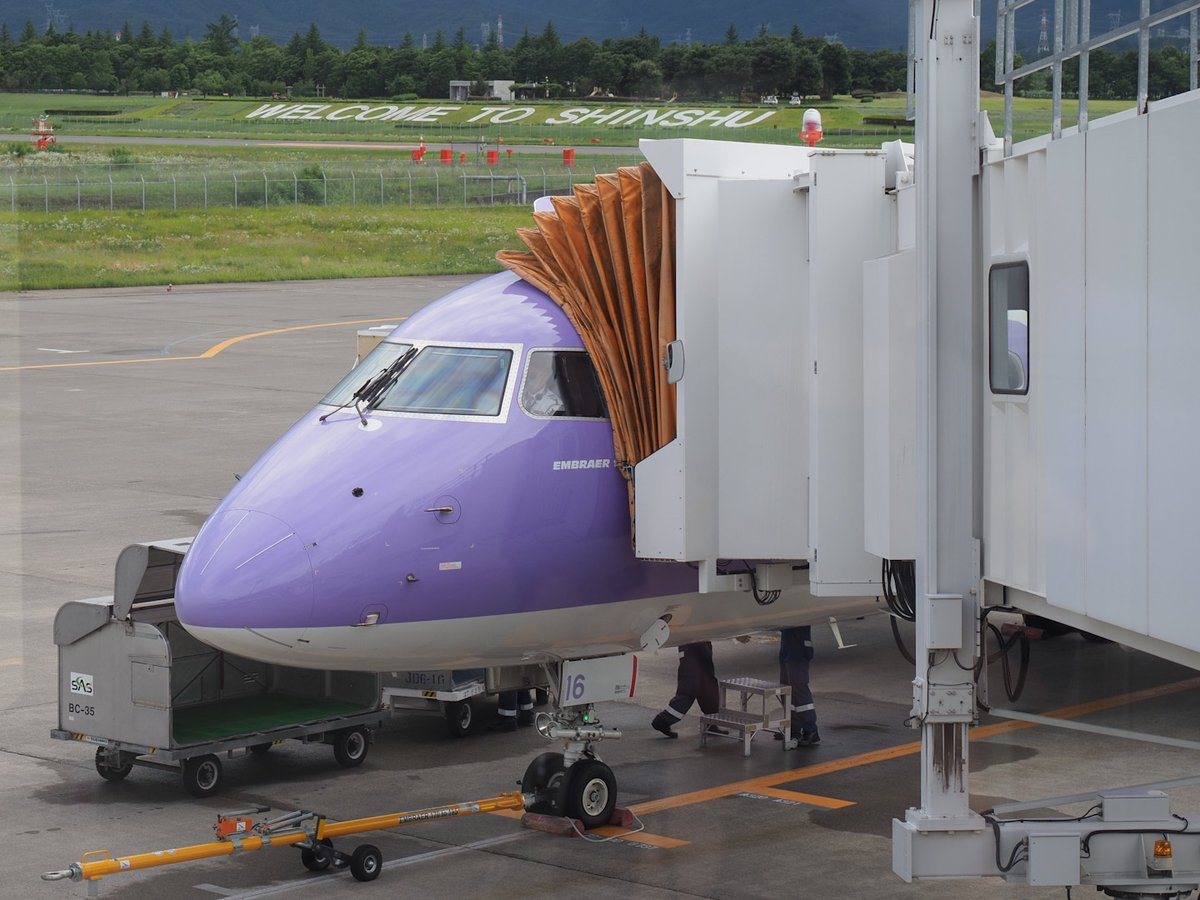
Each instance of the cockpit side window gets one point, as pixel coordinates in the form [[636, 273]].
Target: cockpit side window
[[451, 381], [1008, 327], [372, 364], [562, 383]]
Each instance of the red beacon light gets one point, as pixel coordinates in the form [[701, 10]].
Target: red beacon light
[[810, 131]]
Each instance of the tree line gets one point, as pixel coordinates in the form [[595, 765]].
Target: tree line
[[639, 66]]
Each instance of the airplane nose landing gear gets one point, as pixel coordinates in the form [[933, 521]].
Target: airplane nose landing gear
[[573, 783], [576, 783]]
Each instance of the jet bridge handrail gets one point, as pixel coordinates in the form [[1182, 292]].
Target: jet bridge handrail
[[1072, 37]]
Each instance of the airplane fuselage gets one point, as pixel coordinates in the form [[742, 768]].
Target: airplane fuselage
[[465, 519]]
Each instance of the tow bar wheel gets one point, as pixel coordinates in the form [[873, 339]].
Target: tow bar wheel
[[350, 746], [317, 859], [366, 863], [202, 775], [591, 793]]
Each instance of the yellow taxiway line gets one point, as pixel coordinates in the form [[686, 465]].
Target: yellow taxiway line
[[765, 784], [207, 354]]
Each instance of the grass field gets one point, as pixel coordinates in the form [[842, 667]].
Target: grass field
[[103, 249], [40, 250]]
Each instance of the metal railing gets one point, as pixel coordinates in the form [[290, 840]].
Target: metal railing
[[110, 188], [1069, 36]]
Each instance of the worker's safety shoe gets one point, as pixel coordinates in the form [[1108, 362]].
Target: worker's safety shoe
[[525, 717], [507, 723], [716, 729], [663, 724]]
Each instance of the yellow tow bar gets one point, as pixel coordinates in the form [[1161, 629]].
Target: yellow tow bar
[[310, 832]]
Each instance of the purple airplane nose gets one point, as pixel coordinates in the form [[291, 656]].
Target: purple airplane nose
[[246, 569]]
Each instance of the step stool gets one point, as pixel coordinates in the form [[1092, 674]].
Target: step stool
[[774, 702]]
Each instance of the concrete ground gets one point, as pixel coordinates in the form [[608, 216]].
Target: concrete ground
[[127, 417]]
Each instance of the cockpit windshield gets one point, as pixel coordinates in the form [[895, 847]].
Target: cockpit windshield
[[373, 364], [451, 380], [466, 381]]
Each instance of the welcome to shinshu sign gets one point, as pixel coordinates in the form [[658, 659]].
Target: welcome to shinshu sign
[[506, 115]]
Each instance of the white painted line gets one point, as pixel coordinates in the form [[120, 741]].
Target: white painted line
[[215, 889], [57, 350], [322, 882]]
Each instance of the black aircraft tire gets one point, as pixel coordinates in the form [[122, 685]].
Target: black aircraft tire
[[590, 793], [350, 747], [366, 863], [202, 775], [544, 776]]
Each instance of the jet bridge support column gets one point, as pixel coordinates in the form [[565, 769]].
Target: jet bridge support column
[[941, 838]]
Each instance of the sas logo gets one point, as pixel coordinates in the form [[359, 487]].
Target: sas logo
[[82, 684]]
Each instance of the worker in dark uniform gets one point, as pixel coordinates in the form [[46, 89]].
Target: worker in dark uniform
[[795, 653], [696, 681], [514, 708]]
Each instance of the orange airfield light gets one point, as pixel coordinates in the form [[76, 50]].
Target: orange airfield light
[[811, 131]]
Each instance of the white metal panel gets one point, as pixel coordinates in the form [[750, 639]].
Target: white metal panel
[[696, 235], [763, 358], [851, 221], [1059, 356], [678, 160], [658, 494], [1173, 412], [1012, 447], [1115, 323], [889, 406], [683, 514]]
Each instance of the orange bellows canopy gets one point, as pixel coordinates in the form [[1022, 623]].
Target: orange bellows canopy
[[607, 257]]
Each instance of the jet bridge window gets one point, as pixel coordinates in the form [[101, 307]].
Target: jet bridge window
[[1008, 315], [384, 354], [451, 381], [562, 383]]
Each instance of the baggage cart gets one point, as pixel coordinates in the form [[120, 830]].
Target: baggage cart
[[146, 692]]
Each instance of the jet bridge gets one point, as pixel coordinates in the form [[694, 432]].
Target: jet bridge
[[720, 289], [769, 359]]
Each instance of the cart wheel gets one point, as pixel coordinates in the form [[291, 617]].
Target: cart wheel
[[460, 717], [350, 746], [317, 860], [366, 863], [542, 697], [544, 778], [107, 770], [202, 775], [591, 793], [260, 749]]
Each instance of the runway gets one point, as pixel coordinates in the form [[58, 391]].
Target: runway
[[129, 413]]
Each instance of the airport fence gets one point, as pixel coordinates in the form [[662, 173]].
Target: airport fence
[[427, 184]]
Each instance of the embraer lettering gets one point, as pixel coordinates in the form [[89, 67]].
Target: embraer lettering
[[560, 464]]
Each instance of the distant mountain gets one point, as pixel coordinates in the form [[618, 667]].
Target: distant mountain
[[869, 24]]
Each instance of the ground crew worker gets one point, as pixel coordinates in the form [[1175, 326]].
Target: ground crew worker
[[514, 708], [696, 681], [795, 653]]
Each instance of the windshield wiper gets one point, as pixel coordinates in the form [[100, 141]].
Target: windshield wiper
[[376, 386]]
